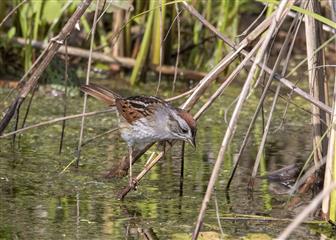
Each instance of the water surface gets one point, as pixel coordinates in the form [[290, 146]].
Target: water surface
[[38, 202]]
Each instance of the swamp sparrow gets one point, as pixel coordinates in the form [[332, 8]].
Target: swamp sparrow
[[146, 119]]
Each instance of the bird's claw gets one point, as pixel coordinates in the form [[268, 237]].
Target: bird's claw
[[134, 183]]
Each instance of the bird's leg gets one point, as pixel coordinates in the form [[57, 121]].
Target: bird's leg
[[130, 158], [132, 182]]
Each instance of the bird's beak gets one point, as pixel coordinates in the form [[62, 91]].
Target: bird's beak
[[192, 142]]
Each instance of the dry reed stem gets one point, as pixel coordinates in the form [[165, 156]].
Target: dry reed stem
[[297, 20], [28, 109], [187, 93], [87, 82], [138, 178], [265, 89], [207, 80], [325, 27], [99, 136], [295, 186], [328, 173], [317, 81], [218, 216], [252, 25], [284, 48], [281, 11], [305, 212], [202, 86], [263, 139], [330, 161], [12, 12], [66, 66], [54, 121], [178, 43], [42, 62], [260, 29], [161, 46], [122, 61], [231, 77]]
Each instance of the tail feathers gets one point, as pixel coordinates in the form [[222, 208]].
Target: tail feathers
[[100, 93]]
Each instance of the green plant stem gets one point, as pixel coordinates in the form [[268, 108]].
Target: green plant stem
[[157, 35], [140, 60]]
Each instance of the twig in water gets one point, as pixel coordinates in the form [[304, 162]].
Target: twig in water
[[263, 140], [182, 169], [217, 215], [227, 109], [138, 178], [17, 113], [66, 63], [67, 166], [27, 110]]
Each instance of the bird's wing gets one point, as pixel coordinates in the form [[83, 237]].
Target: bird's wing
[[101, 93]]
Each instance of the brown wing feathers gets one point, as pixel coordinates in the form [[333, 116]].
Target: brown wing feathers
[[126, 109], [132, 108], [101, 93]]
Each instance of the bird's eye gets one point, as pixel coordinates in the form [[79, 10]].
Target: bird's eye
[[184, 130]]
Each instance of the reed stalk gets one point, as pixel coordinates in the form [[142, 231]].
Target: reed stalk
[[118, 45], [331, 157], [317, 81], [128, 39], [286, 47], [159, 21], [281, 11], [87, 81]]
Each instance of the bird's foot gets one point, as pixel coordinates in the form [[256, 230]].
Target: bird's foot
[[133, 183], [57, 40]]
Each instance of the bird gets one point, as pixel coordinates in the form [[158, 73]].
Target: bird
[[146, 119]]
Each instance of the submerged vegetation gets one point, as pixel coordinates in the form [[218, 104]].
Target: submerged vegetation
[[281, 55]]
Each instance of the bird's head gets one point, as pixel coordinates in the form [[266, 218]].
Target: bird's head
[[183, 126]]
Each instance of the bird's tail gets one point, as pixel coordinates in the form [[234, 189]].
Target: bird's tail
[[101, 93]]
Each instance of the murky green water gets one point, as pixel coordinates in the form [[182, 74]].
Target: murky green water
[[37, 202]]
